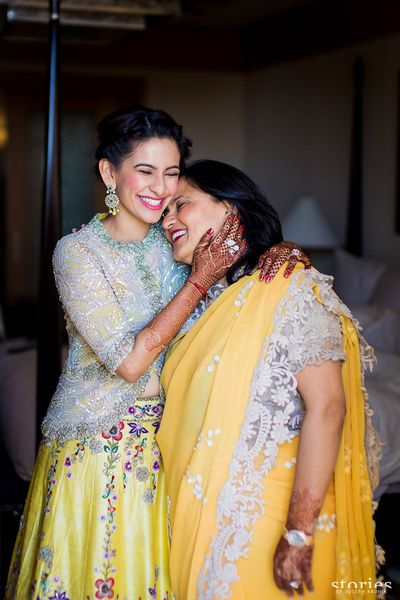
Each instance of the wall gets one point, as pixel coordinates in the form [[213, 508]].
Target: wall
[[209, 104], [297, 124]]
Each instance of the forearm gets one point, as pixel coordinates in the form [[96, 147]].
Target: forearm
[[152, 340], [316, 459]]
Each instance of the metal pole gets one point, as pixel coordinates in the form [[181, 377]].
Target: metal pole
[[49, 321]]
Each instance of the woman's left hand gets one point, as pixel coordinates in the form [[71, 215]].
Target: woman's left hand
[[271, 261], [293, 565]]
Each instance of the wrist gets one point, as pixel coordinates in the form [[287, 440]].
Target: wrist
[[198, 286], [298, 538]]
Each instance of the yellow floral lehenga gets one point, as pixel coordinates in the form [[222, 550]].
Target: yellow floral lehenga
[[95, 519], [229, 439]]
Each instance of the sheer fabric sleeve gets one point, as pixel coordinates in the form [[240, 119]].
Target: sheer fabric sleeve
[[90, 303], [316, 335]]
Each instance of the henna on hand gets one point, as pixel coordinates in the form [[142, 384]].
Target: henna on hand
[[213, 258], [292, 563], [271, 261]]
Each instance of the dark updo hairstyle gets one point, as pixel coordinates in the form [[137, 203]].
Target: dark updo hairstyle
[[261, 222], [120, 131]]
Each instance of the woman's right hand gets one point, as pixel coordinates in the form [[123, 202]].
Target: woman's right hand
[[212, 258]]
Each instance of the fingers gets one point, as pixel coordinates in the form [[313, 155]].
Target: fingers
[[308, 581], [231, 229], [306, 261], [291, 265], [265, 265], [205, 239], [204, 244]]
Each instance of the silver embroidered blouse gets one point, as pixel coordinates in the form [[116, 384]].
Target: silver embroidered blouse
[[109, 291]]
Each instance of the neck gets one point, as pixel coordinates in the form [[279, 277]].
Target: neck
[[125, 227]]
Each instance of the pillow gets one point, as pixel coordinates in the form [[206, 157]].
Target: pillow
[[387, 292], [17, 404], [387, 366], [356, 277], [381, 327]]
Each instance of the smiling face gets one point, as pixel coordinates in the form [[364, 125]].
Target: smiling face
[[187, 218], [146, 180]]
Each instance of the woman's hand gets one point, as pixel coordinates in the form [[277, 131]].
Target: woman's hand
[[271, 261], [212, 258], [293, 565]]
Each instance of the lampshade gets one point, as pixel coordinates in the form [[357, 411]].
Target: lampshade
[[306, 225]]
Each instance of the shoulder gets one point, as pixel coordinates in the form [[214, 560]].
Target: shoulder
[[310, 302], [73, 247]]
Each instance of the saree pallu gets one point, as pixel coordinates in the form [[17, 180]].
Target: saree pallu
[[230, 463], [95, 520]]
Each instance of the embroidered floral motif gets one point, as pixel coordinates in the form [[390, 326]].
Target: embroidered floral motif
[[51, 481], [241, 297], [216, 360], [326, 522], [105, 588], [209, 438], [115, 432], [196, 482], [147, 413], [59, 596], [273, 408]]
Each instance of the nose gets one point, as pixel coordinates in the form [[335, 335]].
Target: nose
[[168, 221], [158, 186]]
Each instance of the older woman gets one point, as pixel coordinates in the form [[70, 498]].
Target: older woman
[[264, 425]]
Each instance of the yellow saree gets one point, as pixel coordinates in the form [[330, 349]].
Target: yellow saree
[[230, 460]]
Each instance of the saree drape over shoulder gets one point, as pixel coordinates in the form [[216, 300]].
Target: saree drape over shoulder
[[229, 441]]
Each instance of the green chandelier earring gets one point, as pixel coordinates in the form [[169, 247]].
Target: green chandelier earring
[[112, 200]]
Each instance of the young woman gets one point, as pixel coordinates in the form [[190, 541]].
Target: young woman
[[95, 522], [264, 425]]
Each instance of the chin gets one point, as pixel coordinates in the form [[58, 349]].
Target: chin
[[182, 257]]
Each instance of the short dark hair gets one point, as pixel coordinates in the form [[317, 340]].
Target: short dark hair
[[261, 221], [122, 129]]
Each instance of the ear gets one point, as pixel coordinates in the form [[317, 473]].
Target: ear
[[107, 171]]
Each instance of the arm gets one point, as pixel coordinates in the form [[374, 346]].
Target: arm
[[322, 391], [93, 308], [211, 261]]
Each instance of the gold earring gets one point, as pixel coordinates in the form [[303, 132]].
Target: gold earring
[[112, 200]]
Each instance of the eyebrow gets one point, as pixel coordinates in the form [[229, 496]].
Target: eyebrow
[[173, 201], [153, 167]]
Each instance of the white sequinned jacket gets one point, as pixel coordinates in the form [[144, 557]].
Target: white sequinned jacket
[[109, 290]]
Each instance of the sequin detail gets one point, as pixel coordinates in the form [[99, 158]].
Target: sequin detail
[[109, 291]]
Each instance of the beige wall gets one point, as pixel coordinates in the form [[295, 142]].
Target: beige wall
[[297, 123], [209, 104]]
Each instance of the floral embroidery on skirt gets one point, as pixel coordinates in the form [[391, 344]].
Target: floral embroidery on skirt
[[95, 521]]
